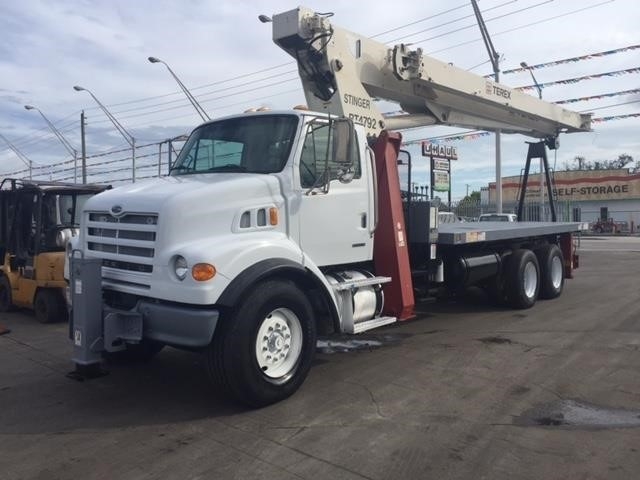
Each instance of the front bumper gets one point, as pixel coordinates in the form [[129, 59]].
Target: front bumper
[[96, 327]]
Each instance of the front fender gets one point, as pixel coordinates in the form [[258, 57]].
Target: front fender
[[230, 254]]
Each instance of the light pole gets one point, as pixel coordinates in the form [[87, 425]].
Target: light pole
[[494, 57], [535, 82], [539, 88], [27, 161], [63, 140], [127, 136], [205, 117]]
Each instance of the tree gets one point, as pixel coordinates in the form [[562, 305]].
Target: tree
[[581, 163]]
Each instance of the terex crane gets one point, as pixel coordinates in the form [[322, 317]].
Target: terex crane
[[273, 226]]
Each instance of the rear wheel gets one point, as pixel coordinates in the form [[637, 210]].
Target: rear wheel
[[263, 350], [551, 271], [6, 301], [522, 279], [49, 306]]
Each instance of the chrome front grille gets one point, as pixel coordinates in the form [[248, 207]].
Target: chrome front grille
[[126, 243]]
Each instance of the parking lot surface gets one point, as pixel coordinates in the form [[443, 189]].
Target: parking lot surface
[[466, 391]]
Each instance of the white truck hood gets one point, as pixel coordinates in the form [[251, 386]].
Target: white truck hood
[[191, 205]]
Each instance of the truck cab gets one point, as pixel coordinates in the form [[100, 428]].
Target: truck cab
[[284, 199]]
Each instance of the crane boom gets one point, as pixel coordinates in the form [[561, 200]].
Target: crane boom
[[343, 72]]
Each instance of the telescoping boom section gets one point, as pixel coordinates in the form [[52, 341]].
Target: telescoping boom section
[[343, 72]]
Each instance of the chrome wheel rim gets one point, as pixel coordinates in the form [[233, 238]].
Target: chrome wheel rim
[[279, 343], [530, 279], [556, 272]]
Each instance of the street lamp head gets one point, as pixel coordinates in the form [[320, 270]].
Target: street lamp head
[[30, 107], [264, 18], [524, 65], [78, 88], [154, 60]]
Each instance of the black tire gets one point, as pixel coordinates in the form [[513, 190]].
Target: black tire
[[551, 271], [142, 352], [6, 299], [49, 306], [522, 279], [261, 323]]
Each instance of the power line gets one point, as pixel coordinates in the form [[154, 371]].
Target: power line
[[455, 21], [520, 27], [486, 21]]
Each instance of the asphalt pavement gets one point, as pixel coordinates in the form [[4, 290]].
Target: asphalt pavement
[[466, 391]]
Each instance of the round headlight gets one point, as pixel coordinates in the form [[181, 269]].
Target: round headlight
[[180, 267]]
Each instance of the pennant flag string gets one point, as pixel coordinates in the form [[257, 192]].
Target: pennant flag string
[[572, 59], [478, 134], [569, 81], [598, 97]]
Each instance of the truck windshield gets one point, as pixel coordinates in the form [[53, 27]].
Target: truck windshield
[[252, 144]]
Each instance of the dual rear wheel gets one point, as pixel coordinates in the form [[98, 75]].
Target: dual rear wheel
[[528, 275]]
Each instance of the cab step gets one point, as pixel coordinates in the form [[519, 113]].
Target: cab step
[[373, 323]]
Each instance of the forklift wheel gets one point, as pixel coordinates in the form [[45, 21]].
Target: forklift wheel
[[6, 302], [49, 307]]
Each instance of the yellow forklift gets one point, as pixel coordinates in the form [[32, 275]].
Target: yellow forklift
[[37, 219]]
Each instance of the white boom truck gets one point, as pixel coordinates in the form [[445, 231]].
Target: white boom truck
[[274, 226]]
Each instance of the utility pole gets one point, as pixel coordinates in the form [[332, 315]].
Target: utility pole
[[83, 147], [494, 57]]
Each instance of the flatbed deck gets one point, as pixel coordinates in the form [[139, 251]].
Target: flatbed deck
[[474, 232]]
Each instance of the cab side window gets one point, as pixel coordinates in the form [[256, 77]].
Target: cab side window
[[317, 155]]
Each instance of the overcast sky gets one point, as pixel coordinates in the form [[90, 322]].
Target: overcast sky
[[216, 46]]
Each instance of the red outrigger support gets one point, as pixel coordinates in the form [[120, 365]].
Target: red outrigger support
[[391, 249]]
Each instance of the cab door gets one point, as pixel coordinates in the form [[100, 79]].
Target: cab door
[[336, 208]]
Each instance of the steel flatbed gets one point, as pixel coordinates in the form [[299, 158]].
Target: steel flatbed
[[473, 232]]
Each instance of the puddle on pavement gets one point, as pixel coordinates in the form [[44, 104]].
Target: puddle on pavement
[[496, 340], [343, 344], [573, 413]]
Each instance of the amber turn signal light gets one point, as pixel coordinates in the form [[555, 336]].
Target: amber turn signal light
[[202, 272]]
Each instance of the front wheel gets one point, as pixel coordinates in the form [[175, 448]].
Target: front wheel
[[262, 351]]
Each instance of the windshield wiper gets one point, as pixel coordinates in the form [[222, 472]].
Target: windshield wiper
[[179, 167], [229, 167]]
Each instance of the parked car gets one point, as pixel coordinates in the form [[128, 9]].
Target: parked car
[[498, 217]]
